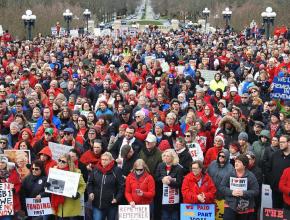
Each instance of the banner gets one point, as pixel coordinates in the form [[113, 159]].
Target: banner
[[266, 198], [197, 212], [208, 75], [275, 214], [6, 199], [57, 150], [281, 88], [38, 207], [238, 183], [170, 195], [64, 183], [139, 212]]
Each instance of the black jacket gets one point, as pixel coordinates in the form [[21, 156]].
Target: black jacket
[[106, 187], [128, 164], [266, 162], [185, 161], [90, 93], [115, 150]]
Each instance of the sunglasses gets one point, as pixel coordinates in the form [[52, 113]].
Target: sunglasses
[[139, 169], [222, 156], [67, 134], [187, 135], [62, 161], [36, 169], [47, 133], [2, 142], [254, 91]]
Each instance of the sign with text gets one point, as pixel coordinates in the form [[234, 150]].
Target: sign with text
[[266, 198], [170, 195], [6, 199], [139, 212], [208, 75], [197, 211], [61, 182], [238, 183], [275, 214], [281, 88], [38, 207], [58, 150]]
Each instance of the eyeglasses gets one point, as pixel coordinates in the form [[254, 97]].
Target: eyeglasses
[[47, 133], [2, 142], [35, 169], [187, 135], [137, 116], [254, 91], [2, 91], [62, 161], [67, 134], [139, 169], [92, 133], [222, 156]]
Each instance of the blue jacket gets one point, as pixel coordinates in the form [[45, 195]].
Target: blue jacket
[[55, 120]]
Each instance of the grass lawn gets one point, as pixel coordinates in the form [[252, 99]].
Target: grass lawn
[[145, 22]]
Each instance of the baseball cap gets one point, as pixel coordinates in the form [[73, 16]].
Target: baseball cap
[[49, 131], [151, 138], [69, 130]]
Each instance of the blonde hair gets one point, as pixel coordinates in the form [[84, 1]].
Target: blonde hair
[[173, 154], [142, 163], [109, 155], [70, 162]]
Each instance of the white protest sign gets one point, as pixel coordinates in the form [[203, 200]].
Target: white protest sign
[[238, 183], [6, 199], [170, 195], [208, 75], [57, 150], [180, 69], [266, 198], [97, 32], [74, 33], [148, 60], [64, 183], [82, 200], [38, 207], [139, 212]]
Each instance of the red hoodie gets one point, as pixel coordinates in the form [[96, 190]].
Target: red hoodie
[[211, 155], [49, 162], [284, 185], [211, 118], [20, 138]]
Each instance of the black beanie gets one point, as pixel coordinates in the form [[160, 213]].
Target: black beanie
[[244, 159]]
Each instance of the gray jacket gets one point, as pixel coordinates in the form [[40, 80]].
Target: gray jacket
[[245, 202], [218, 172]]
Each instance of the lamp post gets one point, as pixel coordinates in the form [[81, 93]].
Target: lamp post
[[87, 16], [205, 13], [227, 14], [29, 21], [67, 17], [268, 19]]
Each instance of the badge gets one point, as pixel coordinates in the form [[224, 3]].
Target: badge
[[40, 181]]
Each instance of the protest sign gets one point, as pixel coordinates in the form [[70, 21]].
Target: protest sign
[[208, 75], [6, 199], [58, 150], [192, 63], [266, 198], [197, 212], [62, 182], [38, 207], [220, 209], [148, 60], [18, 156], [180, 69], [275, 214], [238, 183], [170, 195], [139, 212], [54, 31], [281, 88]]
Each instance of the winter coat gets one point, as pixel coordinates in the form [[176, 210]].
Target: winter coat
[[230, 136], [71, 207], [152, 158], [218, 172], [49, 162], [211, 155], [259, 147], [190, 189], [185, 160], [145, 183], [249, 196], [128, 164], [55, 120], [105, 187], [284, 185], [268, 154], [137, 145]]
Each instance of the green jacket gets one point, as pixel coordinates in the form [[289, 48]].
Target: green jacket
[[72, 207], [259, 147], [152, 158]]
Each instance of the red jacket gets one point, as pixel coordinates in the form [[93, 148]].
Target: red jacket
[[284, 185], [190, 189], [50, 162], [142, 132], [211, 155], [145, 183]]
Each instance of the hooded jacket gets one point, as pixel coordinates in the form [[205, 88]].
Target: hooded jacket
[[259, 147], [217, 171], [49, 162], [211, 118], [20, 137]]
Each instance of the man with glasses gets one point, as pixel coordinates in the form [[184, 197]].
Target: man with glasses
[[280, 161], [3, 144], [40, 144]]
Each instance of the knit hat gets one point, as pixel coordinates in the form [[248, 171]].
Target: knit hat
[[3, 159], [159, 124], [276, 114], [243, 136], [125, 150], [123, 126], [164, 145], [220, 136], [244, 159]]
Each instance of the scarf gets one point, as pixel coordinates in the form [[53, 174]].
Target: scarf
[[198, 177], [104, 170], [57, 200]]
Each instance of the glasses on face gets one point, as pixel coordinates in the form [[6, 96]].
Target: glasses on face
[[139, 170], [67, 134], [222, 156], [92, 133], [137, 116], [35, 169], [2, 142], [62, 161], [47, 133], [187, 135], [254, 91]]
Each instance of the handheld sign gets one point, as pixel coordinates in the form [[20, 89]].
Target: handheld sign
[[6, 199], [139, 212], [38, 207], [275, 214], [281, 88], [197, 212], [238, 183], [170, 195], [58, 150]]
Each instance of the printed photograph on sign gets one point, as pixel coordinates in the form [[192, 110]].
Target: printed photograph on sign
[[56, 186]]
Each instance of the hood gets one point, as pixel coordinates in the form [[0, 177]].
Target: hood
[[46, 151], [127, 66], [211, 111], [231, 120], [227, 154], [28, 131], [265, 133]]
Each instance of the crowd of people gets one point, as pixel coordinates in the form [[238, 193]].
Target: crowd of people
[[139, 124]]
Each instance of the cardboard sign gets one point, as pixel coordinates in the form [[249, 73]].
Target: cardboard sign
[[139, 212], [266, 198], [170, 195], [54, 31], [238, 183], [57, 150], [64, 183], [38, 207], [281, 88], [275, 214], [197, 212], [6, 199]]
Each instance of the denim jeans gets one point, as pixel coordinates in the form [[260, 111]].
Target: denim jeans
[[102, 214], [232, 215], [170, 215]]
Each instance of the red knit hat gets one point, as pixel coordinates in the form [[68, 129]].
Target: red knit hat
[[164, 145]]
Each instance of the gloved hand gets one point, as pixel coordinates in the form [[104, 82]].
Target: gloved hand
[[47, 184], [207, 126], [76, 197]]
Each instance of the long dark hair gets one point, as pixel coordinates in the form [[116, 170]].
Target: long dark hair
[[40, 164]]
